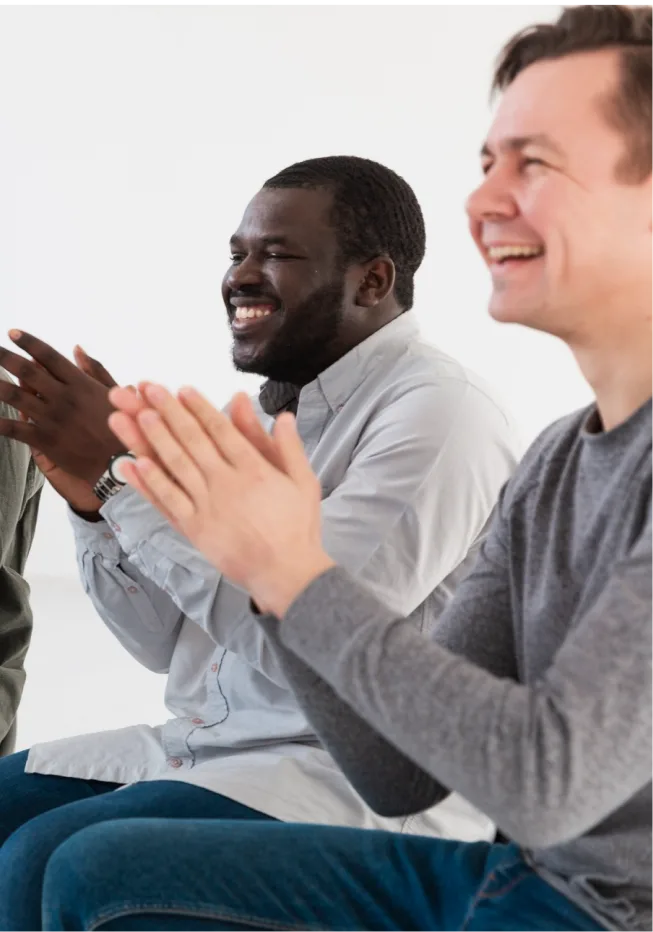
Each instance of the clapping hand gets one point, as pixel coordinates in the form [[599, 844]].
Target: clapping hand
[[248, 501]]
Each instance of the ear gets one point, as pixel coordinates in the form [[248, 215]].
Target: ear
[[377, 281]]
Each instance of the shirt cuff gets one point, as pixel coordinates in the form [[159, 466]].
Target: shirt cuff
[[132, 518], [95, 536]]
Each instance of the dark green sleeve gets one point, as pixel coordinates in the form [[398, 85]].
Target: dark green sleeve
[[20, 485]]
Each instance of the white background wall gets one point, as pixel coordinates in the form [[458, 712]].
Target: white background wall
[[131, 140]]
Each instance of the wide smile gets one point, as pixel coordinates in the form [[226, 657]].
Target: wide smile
[[505, 260], [250, 317]]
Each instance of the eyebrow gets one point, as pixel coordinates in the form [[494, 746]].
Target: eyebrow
[[517, 143], [274, 240]]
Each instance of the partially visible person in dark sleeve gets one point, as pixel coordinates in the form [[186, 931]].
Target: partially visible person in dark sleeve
[[20, 487]]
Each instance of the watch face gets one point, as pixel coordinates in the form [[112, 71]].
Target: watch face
[[116, 467]]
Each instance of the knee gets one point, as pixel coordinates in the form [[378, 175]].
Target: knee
[[12, 789], [25, 851], [81, 877], [12, 765]]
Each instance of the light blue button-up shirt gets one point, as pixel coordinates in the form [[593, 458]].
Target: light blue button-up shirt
[[411, 450]]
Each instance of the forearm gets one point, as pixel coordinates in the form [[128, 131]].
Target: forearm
[[529, 757], [144, 579], [389, 782], [140, 615]]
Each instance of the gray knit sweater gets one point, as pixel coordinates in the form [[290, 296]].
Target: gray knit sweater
[[532, 698]]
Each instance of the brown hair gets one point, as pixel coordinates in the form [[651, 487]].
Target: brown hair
[[594, 28]]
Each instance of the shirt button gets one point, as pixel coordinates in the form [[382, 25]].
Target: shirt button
[[107, 535], [197, 721], [174, 762], [214, 668], [132, 589], [115, 526]]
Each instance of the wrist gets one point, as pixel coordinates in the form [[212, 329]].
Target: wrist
[[92, 517], [113, 481], [276, 589], [100, 466]]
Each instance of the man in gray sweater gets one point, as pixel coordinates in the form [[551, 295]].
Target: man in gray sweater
[[533, 697], [20, 485]]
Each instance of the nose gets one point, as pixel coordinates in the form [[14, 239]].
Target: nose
[[245, 272], [492, 200]]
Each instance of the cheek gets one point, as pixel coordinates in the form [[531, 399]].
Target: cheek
[[299, 281], [291, 286], [538, 201], [553, 214]]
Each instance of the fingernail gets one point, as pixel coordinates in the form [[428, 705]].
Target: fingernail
[[155, 392], [15, 334]]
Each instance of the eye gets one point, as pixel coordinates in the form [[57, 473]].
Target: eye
[[527, 162], [280, 256], [485, 167], [237, 257]]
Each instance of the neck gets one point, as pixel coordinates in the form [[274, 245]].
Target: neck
[[617, 366], [348, 339]]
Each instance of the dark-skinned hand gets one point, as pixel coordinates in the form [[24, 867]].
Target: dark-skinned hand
[[64, 410]]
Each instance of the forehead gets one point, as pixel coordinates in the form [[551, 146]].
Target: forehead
[[296, 214], [563, 100]]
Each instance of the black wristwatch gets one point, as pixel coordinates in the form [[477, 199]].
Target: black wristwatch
[[112, 481]]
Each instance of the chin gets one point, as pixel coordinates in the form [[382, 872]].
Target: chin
[[535, 317], [504, 313], [250, 360], [512, 308]]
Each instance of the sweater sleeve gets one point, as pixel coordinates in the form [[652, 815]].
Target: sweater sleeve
[[390, 781], [546, 761]]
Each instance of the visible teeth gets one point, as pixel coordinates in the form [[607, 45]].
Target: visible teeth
[[248, 313], [497, 253]]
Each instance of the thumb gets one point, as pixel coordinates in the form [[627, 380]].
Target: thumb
[[290, 450], [43, 462], [244, 418]]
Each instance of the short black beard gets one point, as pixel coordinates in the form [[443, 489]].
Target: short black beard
[[307, 343]]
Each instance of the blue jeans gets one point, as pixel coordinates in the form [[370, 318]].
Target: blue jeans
[[38, 812], [160, 874]]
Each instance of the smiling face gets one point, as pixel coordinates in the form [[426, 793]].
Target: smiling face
[[286, 291], [568, 243]]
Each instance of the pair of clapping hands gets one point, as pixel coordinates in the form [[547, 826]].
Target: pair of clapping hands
[[248, 500]]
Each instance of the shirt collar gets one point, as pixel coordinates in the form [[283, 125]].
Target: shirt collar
[[275, 397], [340, 380]]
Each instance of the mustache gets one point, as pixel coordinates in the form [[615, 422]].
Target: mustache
[[257, 294]]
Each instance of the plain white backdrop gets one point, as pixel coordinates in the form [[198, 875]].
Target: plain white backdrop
[[131, 139]]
